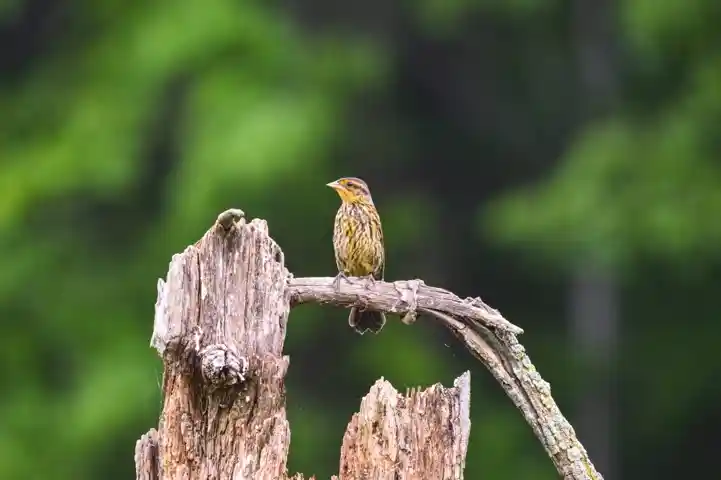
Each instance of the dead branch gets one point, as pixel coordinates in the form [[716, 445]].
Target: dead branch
[[486, 334]]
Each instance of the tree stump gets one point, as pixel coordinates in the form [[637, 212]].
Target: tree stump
[[414, 436]]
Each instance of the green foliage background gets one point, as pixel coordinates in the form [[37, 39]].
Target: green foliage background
[[126, 127]]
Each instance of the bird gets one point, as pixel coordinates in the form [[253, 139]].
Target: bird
[[358, 245]]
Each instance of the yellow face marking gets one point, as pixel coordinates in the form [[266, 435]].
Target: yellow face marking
[[349, 190]]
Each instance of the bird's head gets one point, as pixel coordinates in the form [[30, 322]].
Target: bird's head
[[352, 190]]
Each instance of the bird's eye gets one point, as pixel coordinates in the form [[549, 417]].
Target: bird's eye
[[350, 184]]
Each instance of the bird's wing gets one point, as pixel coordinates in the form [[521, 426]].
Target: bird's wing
[[381, 274]]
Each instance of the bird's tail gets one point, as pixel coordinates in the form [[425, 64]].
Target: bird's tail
[[362, 320]]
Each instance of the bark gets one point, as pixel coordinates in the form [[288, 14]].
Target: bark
[[146, 456], [220, 324]]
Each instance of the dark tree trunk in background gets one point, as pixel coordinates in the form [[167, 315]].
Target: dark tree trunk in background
[[594, 303], [594, 316]]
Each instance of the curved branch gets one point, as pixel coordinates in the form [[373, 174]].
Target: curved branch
[[403, 296], [486, 334]]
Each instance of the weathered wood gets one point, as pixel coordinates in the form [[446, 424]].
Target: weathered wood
[[420, 435], [220, 325], [146, 456]]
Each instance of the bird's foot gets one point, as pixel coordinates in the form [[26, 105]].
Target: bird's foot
[[370, 278], [412, 313], [337, 279]]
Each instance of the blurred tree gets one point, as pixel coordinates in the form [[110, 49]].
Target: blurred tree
[[127, 126]]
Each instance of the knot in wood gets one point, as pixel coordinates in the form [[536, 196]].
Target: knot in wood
[[221, 365]]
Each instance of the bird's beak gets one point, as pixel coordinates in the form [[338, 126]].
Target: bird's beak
[[340, 190]]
